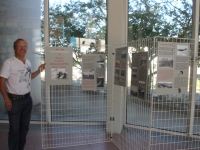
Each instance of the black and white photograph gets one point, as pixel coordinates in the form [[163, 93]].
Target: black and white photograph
[[100, 59], [62, 75], [123, 73], [123, 79], [166, 62], [134, 91], [117, 71], [180, 73], [179, 90], [134, 69], [100, 81], [123, 54], [120, 63], [59, 73], [123, 65], [54, 73], [141, 89], [143, 60], [117, 63], [88, 74], [134, 75], [164, 84], [100, 62], [182, 50], [116, 78], [100, 65]]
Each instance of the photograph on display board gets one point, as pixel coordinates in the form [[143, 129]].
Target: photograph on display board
[[100, 62], [180, 73], [143, 61], [123, 65], [122, 80], [120, 66], [165, 85], [100, 81], [134, 91], [117, 63], [117, 72], [182, 50], [123, 73], [123, 54], [100, 65], [100, 58], [60, 73], [117, 77], [166, 62], [134, 69], [88, 74], [134, 73], [141, 89], [179, 90]]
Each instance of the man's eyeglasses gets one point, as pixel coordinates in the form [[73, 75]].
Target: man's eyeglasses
[[19, 46]]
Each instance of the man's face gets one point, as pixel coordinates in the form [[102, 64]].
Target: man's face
[[20, 48]]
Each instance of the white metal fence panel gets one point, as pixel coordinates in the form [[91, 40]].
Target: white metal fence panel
[[171, 113], [160, 122], [72, 116]]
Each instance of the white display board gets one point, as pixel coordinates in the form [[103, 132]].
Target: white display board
[[139, 74], [172, 68], [120, 66], [93, 71], [58, 69]]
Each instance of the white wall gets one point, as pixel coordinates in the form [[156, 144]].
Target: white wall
[[117, 35], [21, 19]]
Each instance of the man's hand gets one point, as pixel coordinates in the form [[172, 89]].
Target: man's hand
[[8, 104], [41, 67], [7, 101]]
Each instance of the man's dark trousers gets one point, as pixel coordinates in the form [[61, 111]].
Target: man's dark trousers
[[19, 120]]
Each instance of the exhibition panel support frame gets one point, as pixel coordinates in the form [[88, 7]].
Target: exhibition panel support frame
[[168, 120], [73, 115], [156, 121]]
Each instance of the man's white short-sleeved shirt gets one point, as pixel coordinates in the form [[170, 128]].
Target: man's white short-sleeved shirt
[[18, 75]]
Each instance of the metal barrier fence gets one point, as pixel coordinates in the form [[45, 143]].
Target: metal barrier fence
[[72, 116], [166, 121], [160, 121]]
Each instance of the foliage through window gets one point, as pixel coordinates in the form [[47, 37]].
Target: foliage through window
[[148, 18], [73, 20]]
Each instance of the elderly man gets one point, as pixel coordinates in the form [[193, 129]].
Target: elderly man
[[15, 80]]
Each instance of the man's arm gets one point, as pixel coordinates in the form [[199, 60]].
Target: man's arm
[[4, 93], [40, 69]]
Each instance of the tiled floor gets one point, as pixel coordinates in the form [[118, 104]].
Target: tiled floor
[[34, 141]]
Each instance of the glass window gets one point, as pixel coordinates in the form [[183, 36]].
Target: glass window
[[150, 18], [167, 18], [80, 24], [73, 21], [21, 19]]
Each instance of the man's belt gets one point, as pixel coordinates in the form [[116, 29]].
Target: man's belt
[[19, 96]]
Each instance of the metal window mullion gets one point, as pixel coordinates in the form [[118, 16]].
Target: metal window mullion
[[194, 66], [111, 70], [46, 44]]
